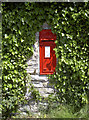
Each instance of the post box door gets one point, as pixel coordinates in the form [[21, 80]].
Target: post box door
[[47, 58]]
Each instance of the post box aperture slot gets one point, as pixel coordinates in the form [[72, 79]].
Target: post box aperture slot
[[47, 51]]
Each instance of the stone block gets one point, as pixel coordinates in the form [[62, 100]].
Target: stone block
[[30, 70], [39, 78], [26, 108], [34, 108], [24, 114], [45, 95], [32, 67], [41, 83], [32, 62], [45, 91], [37, 71]]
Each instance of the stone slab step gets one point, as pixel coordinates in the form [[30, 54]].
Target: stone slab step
[[39, 78], [39, 84], [44, 91]]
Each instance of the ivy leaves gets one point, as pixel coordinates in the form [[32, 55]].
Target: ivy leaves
[[72, 53], [15, 52], [70, 22]]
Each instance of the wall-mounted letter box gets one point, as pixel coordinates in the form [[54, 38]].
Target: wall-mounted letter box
[[47, 54]]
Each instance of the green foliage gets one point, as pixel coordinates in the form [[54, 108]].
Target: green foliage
[[0, 40], [57, 111], [16, 48], [20, 22], [35, 95], [64, 111], [84, 112], [60, 111], [71, 81], [70, 22]]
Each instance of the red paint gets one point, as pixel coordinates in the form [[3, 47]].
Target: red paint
[[46, 35], [48, 64]]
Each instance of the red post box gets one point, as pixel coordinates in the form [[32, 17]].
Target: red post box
[[47, 54]]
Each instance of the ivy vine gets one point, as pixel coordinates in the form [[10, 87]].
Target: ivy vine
[[70, 22]]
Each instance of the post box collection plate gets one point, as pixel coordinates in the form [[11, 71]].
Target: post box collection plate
[[47, 54], [47, 51]]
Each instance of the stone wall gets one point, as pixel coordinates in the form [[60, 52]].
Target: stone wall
[[40, 82]]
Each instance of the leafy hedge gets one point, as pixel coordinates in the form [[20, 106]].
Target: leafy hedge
[[20, 22], [17, 44], [70, 22], [0, 67]]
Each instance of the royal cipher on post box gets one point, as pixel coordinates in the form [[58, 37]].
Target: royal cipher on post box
[[47, 54]]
